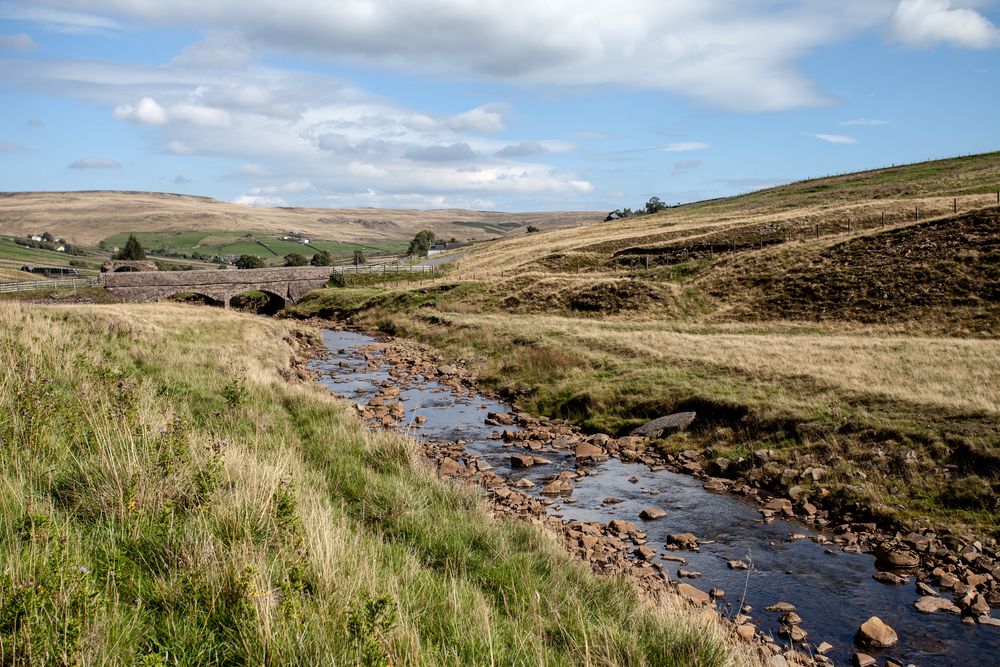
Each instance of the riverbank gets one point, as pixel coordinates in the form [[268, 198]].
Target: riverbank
[[177, 490], [406, 365]]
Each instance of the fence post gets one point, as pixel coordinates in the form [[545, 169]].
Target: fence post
[[956, 204], [883, 219], [916, 213]]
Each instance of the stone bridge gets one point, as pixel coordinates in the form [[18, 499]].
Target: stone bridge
[[284, 285]]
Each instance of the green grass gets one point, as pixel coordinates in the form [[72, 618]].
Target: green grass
[[231, 243], [167, 499]]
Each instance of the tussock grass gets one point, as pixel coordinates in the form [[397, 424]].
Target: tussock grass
[[167, 499]]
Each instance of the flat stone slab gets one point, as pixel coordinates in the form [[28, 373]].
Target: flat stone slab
[[663, 426]]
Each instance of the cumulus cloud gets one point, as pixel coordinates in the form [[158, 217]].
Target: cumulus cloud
[[732, 55], [149, 112], [12, 148], [864, 122], [94, 163], [836, 138], [456, 152], [179, 179], [487, 119], [923, 24], [286, 126], [684, 146], [19, 41], [523, 149]]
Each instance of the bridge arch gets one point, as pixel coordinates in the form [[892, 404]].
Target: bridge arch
[[263, 301]]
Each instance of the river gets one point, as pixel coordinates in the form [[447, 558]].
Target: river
[[833, 591]]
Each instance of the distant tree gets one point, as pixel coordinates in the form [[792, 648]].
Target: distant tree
[[654, 205], [359, 257], [321, 258], [249, 262], [421, 243], [295, 259], [532, 229], [132, 250], [48, 238]]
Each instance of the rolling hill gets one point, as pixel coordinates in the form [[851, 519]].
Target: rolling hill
[[94, 216]]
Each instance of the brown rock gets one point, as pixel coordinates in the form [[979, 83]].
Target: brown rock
[[449, 466], [645, 553], [874, 633], [783, 505], [746, 632], [521, 461], [587, 453], [683, 541], [930, 604], [897, 559], [737, 565], [692, 594], [524, 483], [652, 513], [863, 660]]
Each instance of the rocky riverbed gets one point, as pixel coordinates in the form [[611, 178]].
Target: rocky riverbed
[[790, 577]]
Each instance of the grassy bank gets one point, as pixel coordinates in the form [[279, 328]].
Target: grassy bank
[[871, 350], [168, 498]]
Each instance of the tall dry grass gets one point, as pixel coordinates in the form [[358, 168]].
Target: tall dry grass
[[166, 499]]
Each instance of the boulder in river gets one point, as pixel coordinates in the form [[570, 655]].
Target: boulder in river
[[651, 513], [521, 461], [683, 541], [876, 633], [930, 604], [664, 426], [863, 660], [587, 453]]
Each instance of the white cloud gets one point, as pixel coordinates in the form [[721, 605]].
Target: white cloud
[[285, 126], [94, 163], [836, 138], [12, 148], [922, 24], [149, 112], [259, 200], [486, 119], [684, 146], [864, 122], [19, 41], [732, 55]]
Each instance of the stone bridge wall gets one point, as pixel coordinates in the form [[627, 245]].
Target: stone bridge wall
[[290, 284]]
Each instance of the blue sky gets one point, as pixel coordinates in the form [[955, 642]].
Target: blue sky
[[487, 104]]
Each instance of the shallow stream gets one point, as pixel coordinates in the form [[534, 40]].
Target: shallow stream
[[832, 591]]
